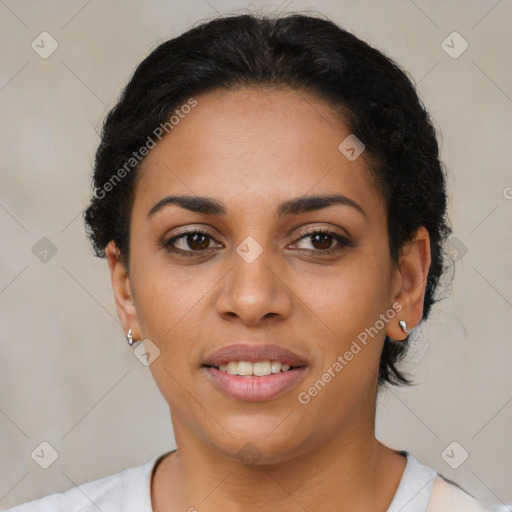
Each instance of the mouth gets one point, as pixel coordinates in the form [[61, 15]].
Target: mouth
[[254, 372], [256, 369]]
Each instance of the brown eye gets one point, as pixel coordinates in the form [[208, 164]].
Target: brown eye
[[322, 240], [190, 242], [197, 241]]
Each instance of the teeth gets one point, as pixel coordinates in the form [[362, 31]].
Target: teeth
[[232, 368], [259, 368], [244, 368]]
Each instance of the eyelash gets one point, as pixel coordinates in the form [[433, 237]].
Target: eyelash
[[342, 242]]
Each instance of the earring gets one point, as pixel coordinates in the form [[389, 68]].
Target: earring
[[403, 326], [129, 337]]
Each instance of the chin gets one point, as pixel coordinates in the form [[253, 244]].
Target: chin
[[253, 446]]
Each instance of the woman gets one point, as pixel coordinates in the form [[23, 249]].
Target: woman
[[270, 200]]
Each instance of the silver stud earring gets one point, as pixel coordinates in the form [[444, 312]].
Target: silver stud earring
[[403, 326], [129, 337]]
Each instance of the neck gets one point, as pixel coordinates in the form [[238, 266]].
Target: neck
[[353, 471]]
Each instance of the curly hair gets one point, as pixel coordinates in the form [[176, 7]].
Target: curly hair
[[303, 52]]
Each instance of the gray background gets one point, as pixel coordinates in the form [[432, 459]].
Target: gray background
[[67, 375]]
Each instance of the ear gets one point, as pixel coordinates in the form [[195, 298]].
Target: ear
[[122, 291], [410, 281]]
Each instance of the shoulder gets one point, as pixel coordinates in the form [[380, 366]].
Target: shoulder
[[126, 490], [449, 497], [423, 489]]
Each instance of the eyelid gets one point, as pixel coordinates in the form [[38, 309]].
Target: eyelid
[[326, 229], [340, 234], [343, 241], [188, 230], [308, 230]]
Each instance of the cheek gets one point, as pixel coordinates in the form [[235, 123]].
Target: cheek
[[348, 353], [345, 308], [164, 293], [167, 314], [348, 299], [164, 303]]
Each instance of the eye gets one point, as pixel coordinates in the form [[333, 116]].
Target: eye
[[322, 239], [196, 240]]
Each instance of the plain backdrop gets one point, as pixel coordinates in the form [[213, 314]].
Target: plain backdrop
[[67, 375]]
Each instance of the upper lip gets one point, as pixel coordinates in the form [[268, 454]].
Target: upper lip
[[253, 353]]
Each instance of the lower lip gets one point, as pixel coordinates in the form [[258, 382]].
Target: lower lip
[[253, 389]]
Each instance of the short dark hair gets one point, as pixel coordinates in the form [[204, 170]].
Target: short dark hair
[[302, 52]]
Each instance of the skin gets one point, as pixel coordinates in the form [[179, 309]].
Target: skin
[[251, 149]]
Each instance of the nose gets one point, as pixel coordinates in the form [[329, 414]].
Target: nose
[[254, 289]]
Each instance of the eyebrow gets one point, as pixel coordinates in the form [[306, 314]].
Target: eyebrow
[[209, 206]]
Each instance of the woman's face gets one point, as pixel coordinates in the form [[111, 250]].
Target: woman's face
[[260, 276]]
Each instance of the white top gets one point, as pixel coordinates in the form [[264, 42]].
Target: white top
[[421, 489]]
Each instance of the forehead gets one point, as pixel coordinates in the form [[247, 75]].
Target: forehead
[[254, 143]]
